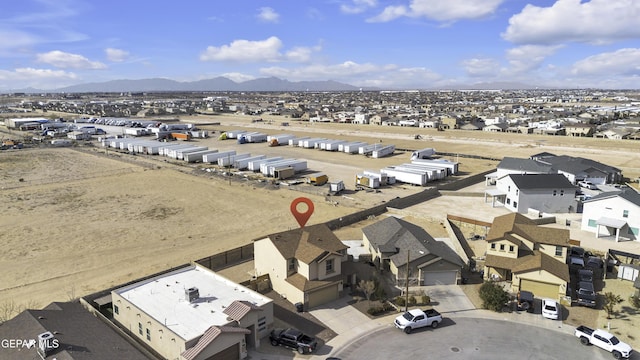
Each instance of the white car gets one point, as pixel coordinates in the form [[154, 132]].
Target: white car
[[550, 309], [587, 185]]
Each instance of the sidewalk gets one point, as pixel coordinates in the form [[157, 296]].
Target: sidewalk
[[351, 325]]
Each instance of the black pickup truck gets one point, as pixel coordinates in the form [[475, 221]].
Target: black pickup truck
[[294, 339]]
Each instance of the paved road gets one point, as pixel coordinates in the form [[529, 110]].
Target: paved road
[[471, 338]]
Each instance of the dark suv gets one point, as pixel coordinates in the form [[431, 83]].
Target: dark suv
[[586, 294], [585, 275]]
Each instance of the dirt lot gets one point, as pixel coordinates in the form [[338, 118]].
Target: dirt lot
[[75, 222]]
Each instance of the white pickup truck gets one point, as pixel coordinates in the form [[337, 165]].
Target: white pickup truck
[[604, 340], [417, 318]]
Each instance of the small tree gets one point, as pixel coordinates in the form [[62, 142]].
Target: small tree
[[367, 288], [493, 296], [610, 301]]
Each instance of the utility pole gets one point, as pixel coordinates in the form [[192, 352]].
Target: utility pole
[[406, 292]]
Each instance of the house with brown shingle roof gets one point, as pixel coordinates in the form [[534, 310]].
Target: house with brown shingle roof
[[304, 264], [531, 257]]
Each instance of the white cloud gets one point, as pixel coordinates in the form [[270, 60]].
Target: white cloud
[[257, 51], [620, 62], [37, 78], [66, 60], [358, 6], [440, 10], [528, 57], [267, 14], [595, 21], [116, 55], [238, 77], [481, 67], [11, 39]]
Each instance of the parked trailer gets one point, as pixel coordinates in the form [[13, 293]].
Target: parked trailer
[[296, 141], [353, 148], [228, 160], [298, 165], [173, 153], [367, 181], [368, 149], [434, 173], [196, 157], [452, 167], [136, 131], [284, 172], [382, 178], [170, 148], [213, 158], [423, 154], [282, 139], [333, 145], [310, 143], [414, 177], [181, 153], [181, 136], [234, 134], [384, 151], [256, 137], [254, 165], [242, 164]]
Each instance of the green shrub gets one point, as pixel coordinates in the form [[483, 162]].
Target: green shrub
[[412, 300], [400, 301], [493, 296], [635, 301], [375, 310], [426, 299]]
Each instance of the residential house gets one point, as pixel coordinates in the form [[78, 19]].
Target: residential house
[[532, 257], [579, 169], [397, 245], [615, 133], [304, 264], [64, 330], [378, 119], [579, 130], [192, 313], [615, 213], [546, 193], [497, 127]]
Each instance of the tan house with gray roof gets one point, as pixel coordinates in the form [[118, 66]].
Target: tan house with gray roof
[[531, 257], [304, 265]]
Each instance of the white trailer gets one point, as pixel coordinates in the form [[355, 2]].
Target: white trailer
[[173, 153], [234, 134], [383, 151], [228, 160], [151, 149], [353, 148], [433, 173], [367, 149], [169, 151], [452, 167], [310, 143], [414, 177], [181, 153], [242, 164], [213, 158], [254, 165], [196, 157], [368, 181], [136, 131], [297, 165], [297, 141], [264, 167], [333, 145], [256, 137], [282, 139], [423, 154]]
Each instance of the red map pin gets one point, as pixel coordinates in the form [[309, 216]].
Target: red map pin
[[302, 217]]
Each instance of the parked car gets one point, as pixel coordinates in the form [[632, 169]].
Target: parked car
[[417, 318], [594, 262], [585, 275], [550, 309], [576, 251], [586, 295], [576, 261], [604, 340], [294, 339], [525, 301], [587, 185]]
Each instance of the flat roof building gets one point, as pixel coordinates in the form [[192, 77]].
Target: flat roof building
[[193, 313]]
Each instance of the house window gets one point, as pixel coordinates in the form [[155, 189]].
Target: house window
[[148, 334], [592, 223], [517, 191], [633, 231], [515, 204], [561, 192], [511, 248], [558, 250], [329, 266], [115, 309], [509, 188], [140, 328], [493, 246], [625, 213], [555, 192], [292, 264], [508, 201], [262, 323], [501, 247]]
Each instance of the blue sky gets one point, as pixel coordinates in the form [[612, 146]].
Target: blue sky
[[411, 44]]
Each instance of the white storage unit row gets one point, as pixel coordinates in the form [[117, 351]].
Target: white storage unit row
[[213, 158], [196, 157], [229, 159], [242, 164], [254, 165], [383, 151], [352, 148], [414, 177]]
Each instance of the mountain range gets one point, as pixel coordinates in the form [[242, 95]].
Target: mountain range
[[261, 84]]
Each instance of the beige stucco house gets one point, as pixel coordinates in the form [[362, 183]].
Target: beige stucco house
[[193, 313], [304, 265], [531, 257]]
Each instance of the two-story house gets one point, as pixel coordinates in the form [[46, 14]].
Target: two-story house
[[531, 257], [304, 264], [548, 193], [397, 245], [613, 214]]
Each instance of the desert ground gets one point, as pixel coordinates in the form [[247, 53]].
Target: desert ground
[[78, 220]]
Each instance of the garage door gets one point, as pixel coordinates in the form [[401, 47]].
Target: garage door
[[230, 353], [440, 277], [323, 296], [540, 289]]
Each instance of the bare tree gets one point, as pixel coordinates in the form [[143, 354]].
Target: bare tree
[[367, 288], [610, 301]]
